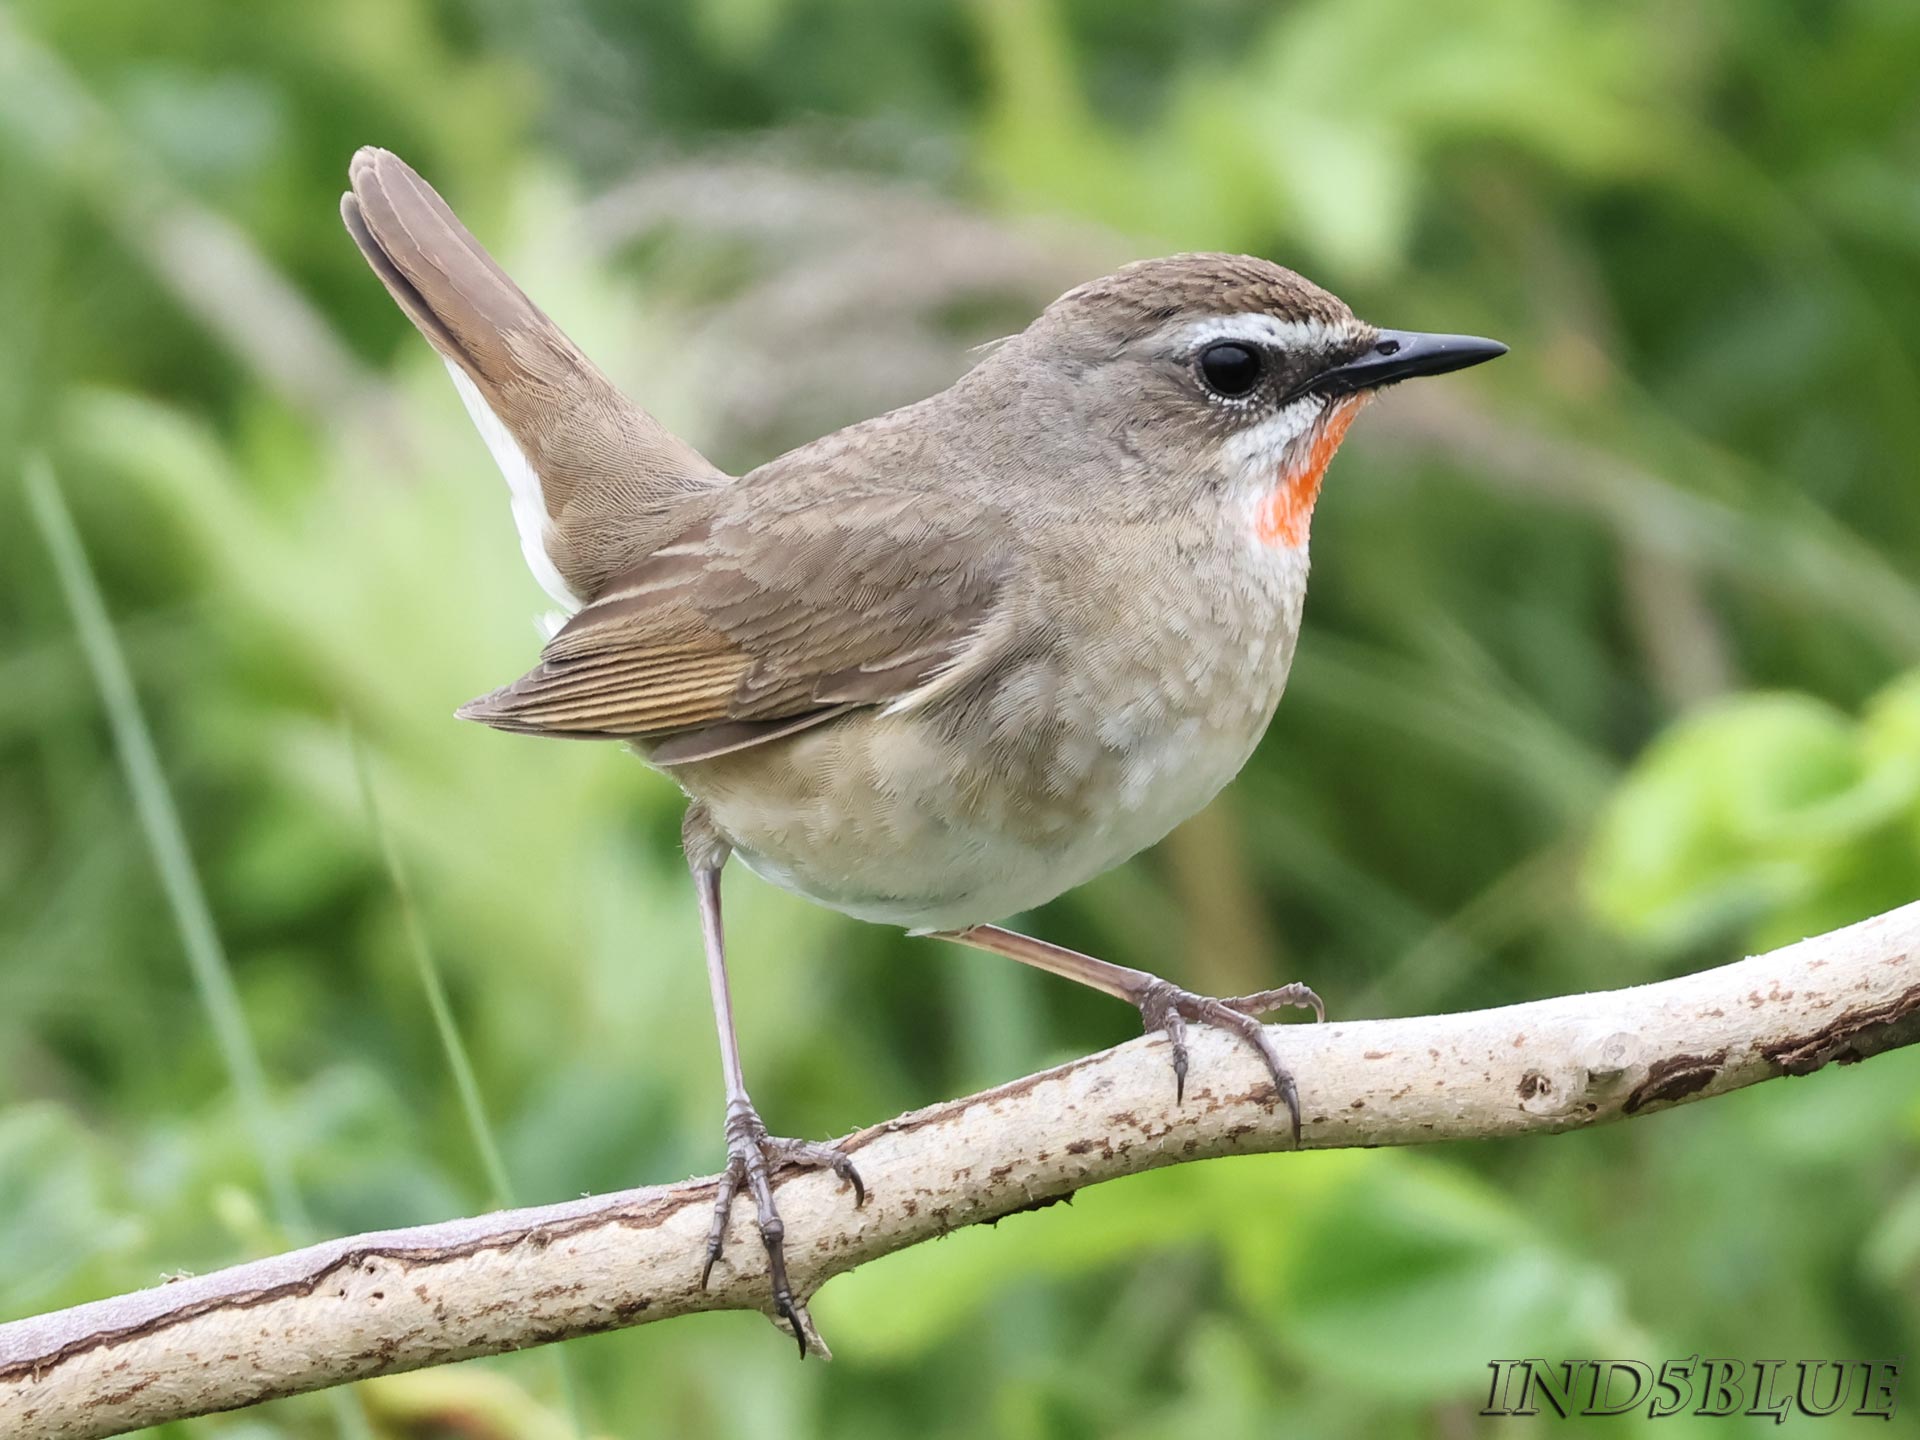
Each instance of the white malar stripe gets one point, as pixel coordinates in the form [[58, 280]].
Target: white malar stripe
[[1259, 451], [529, 509], [1257, 328]]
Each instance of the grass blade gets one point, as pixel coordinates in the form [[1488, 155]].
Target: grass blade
[[427, 968], [167, 843], [166, 840], [459, 1063]]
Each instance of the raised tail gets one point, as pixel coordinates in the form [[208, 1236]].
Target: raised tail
[[595, 479]]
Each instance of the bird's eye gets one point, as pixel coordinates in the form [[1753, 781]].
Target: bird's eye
[[1230, 370]]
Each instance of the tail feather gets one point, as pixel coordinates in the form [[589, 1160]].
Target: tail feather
[[410, 300], [595, 478]]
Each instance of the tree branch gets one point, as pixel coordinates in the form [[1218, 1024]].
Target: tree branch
[[374, 1304]]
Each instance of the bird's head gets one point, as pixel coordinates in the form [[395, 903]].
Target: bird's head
[[1225, 372]]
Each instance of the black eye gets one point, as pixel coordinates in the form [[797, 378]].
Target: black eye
[[1230, 370]]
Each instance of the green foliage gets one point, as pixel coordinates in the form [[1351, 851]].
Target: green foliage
[[1770, 811], [1672, 539]]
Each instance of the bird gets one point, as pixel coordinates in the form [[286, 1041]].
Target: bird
[[938, 667]]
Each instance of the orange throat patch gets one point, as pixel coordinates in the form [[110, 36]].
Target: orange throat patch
[[1286, 512]]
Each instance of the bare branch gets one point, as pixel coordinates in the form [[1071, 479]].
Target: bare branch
[[374, 1304]]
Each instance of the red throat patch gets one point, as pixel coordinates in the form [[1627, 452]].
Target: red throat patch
[[1286, 511]]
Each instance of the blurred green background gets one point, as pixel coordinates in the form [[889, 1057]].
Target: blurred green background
[[1608, 670]]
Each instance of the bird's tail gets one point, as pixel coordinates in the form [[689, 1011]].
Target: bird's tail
[[594, 477]]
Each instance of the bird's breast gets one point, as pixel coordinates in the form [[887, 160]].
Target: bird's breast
[[1143, 698]]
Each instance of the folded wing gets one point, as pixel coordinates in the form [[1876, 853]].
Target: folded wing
[[765, 617]]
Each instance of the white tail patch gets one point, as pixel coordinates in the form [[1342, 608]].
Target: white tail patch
[[529, 506]]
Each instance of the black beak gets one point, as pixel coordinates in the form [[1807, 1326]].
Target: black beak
[[1401, 354]]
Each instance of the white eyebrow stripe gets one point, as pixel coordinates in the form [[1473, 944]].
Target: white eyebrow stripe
[[1264, 329]]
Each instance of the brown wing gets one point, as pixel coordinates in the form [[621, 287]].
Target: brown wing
[[773, 614]]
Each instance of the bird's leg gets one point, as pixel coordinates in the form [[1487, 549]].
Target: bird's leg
[[1162, 1006], [752, 1154]]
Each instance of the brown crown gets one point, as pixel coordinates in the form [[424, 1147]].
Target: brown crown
[[1151, 292]]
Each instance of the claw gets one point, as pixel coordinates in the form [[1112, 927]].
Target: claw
[[1166, 1007], [1291, 1095], [722, 1203], [792, 1316], [752, 1157]]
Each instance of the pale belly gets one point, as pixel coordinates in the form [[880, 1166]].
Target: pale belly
[[895, 849], [991, 804]]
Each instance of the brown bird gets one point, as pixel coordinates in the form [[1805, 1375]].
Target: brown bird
[[938, 667]]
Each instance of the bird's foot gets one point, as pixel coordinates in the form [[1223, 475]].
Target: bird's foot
[[1169, 1008], [752, 1157]]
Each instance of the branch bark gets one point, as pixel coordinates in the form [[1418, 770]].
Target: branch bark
[[399, 1300]]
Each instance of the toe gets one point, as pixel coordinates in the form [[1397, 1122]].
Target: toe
[[1173, 1023], [1255, 1034], [1265, 1002], [722, 1211], [1166, 1008], [819, 1157]]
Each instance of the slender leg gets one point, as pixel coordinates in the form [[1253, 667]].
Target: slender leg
[[752, 1154], [1162, 1006]]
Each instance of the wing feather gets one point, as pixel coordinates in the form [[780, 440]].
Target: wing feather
[[773, 612]]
